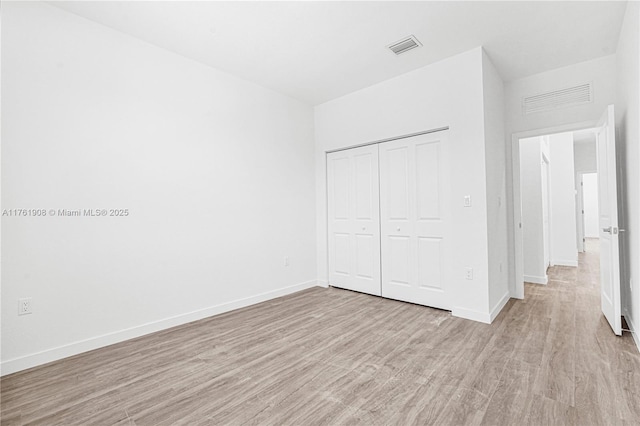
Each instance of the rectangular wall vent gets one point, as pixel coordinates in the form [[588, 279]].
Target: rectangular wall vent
[[569, 96], [404, 45]]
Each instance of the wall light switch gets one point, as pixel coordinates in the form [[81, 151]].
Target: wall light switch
[[467, 200]]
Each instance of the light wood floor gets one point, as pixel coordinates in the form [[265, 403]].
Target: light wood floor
[[328, 356]]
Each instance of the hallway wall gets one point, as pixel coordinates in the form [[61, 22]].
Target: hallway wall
[[532, 220], [563, 200]]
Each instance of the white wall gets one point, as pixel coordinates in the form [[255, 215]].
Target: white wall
[[562, 195], [531, 196], [590, 197], [448, 93], [585, 160], [585, 157], [601, 72], [493, 92], [628, 141], [217, 174]]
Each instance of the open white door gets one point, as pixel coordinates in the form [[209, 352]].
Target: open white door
[[608, 221]]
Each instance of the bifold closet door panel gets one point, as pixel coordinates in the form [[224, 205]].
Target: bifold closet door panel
[[414, 220], [354, 219]]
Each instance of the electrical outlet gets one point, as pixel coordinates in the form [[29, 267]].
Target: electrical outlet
[[24, 306], [467, 200], [468, 273], [286, 261]]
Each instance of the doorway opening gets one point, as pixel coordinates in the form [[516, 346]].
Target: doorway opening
[[552, 203], [554, 211], [587, 216]]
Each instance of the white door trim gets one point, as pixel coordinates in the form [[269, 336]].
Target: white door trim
[[580, 211], [516, 286]]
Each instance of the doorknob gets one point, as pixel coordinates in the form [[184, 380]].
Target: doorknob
[[607, 230], [398, 228]]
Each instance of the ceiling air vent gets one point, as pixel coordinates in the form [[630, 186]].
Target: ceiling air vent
[[569, 96], [404, 45]]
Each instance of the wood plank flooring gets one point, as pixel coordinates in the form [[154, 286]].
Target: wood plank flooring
[[329, 356]]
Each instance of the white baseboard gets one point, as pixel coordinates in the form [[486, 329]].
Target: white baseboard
[[634, 330], [564, 262], [54, 354], [536, 280], [472, 315], [499, 306], [323, 283]]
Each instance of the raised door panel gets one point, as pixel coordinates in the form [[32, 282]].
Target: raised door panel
[[341, 254], [430, 263], [339, 188], [365, 187], [427, 159], [366, 268], [397, 183], [397, 268]]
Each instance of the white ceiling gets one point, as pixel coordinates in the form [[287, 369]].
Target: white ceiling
[[318, 51]]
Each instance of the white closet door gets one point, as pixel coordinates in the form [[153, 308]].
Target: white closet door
[[415, 220], [354, 219]]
